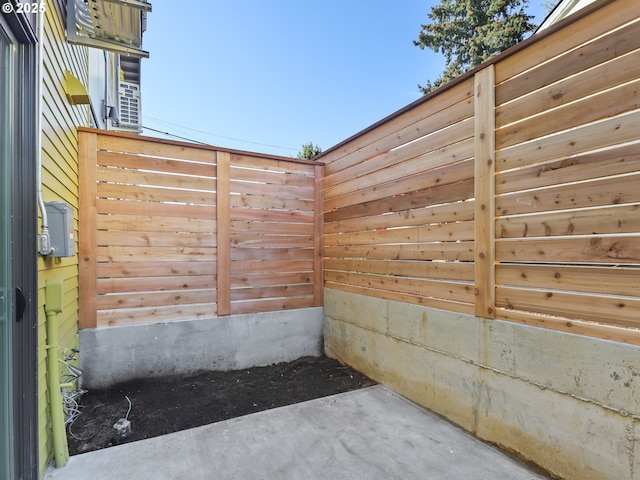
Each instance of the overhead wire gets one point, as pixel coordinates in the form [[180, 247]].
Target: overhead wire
[[164, 122], [176, 136]]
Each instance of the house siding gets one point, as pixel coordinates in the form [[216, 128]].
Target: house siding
[[59, 183]]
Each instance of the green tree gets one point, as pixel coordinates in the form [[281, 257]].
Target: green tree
[[309, 150], [469, 32]]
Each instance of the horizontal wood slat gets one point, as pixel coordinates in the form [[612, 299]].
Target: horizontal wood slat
[[151, 147], [259, 240], [157, 269], [605, 331], [154, 223], [592, 307], [155, 299], [592, 165], [453, 212], [154, 314], [590, 249], [411, 159], [404, 297], [155, 254], [271, 304], [153, 194], [151, 284], [271, 254], [406, 268], [279, 291], [451, 232], [406, 127], [603, 280], [270, 163], [280, 265], [460, 191], [141, 162], [153, 179], [185, 211], [267, 212], [452, 291], [594, 51], [589, 109], [449, 251], [270, 177], [451, 174], [584, 139], [607, 191], [597, 221], [616, 72], [269, 278], [271, 190], [164, 239]]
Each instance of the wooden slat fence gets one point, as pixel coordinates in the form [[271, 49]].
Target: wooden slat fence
[[172, 231], [399, 207], [568, 174], [513, 194]]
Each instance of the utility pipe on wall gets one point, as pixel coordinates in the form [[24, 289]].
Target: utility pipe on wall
[[53, 306], [44, 241]]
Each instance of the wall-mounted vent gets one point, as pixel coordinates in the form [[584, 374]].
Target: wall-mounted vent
[[129, 107]]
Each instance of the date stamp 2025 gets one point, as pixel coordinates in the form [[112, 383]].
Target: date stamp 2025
[[22, 8]]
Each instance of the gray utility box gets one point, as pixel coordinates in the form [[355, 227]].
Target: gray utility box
[[61, 231]]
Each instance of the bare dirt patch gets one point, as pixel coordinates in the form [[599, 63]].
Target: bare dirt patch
[[168, 404]]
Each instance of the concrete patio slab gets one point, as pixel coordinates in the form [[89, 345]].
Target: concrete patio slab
[[365, 434]]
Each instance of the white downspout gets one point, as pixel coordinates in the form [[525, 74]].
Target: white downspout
[[44, 241]]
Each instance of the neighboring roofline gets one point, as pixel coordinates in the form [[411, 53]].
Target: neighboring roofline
[[561, 11], [596, 5], [547, 17]]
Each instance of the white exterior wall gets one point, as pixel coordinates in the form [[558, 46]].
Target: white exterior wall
[[97, 83]]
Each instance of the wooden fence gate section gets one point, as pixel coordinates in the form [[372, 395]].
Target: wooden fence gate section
[[172, 231]]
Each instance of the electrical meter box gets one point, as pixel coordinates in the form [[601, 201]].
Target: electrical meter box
[[61, 232]]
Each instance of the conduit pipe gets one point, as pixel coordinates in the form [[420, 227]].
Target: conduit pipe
[[53, 306], [44, 241]]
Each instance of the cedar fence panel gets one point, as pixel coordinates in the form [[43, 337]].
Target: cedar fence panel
[[172, 231], [399, 210], [567, 176], [512, 193], [272, 256]]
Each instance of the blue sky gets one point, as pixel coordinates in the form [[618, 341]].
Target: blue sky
[[270, 76]]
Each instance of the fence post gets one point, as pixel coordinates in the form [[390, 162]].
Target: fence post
[[223, 208], [87, 226], [318, 233], [484, 149]]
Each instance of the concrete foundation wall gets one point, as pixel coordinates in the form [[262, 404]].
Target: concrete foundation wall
[[115, 354], [567, 403]]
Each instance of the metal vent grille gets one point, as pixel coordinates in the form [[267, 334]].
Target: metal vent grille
[[129, 106]]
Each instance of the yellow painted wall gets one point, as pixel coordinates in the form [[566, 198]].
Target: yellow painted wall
[[60, 183]]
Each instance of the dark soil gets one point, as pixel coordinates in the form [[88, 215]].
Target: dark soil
[[169, 404]]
